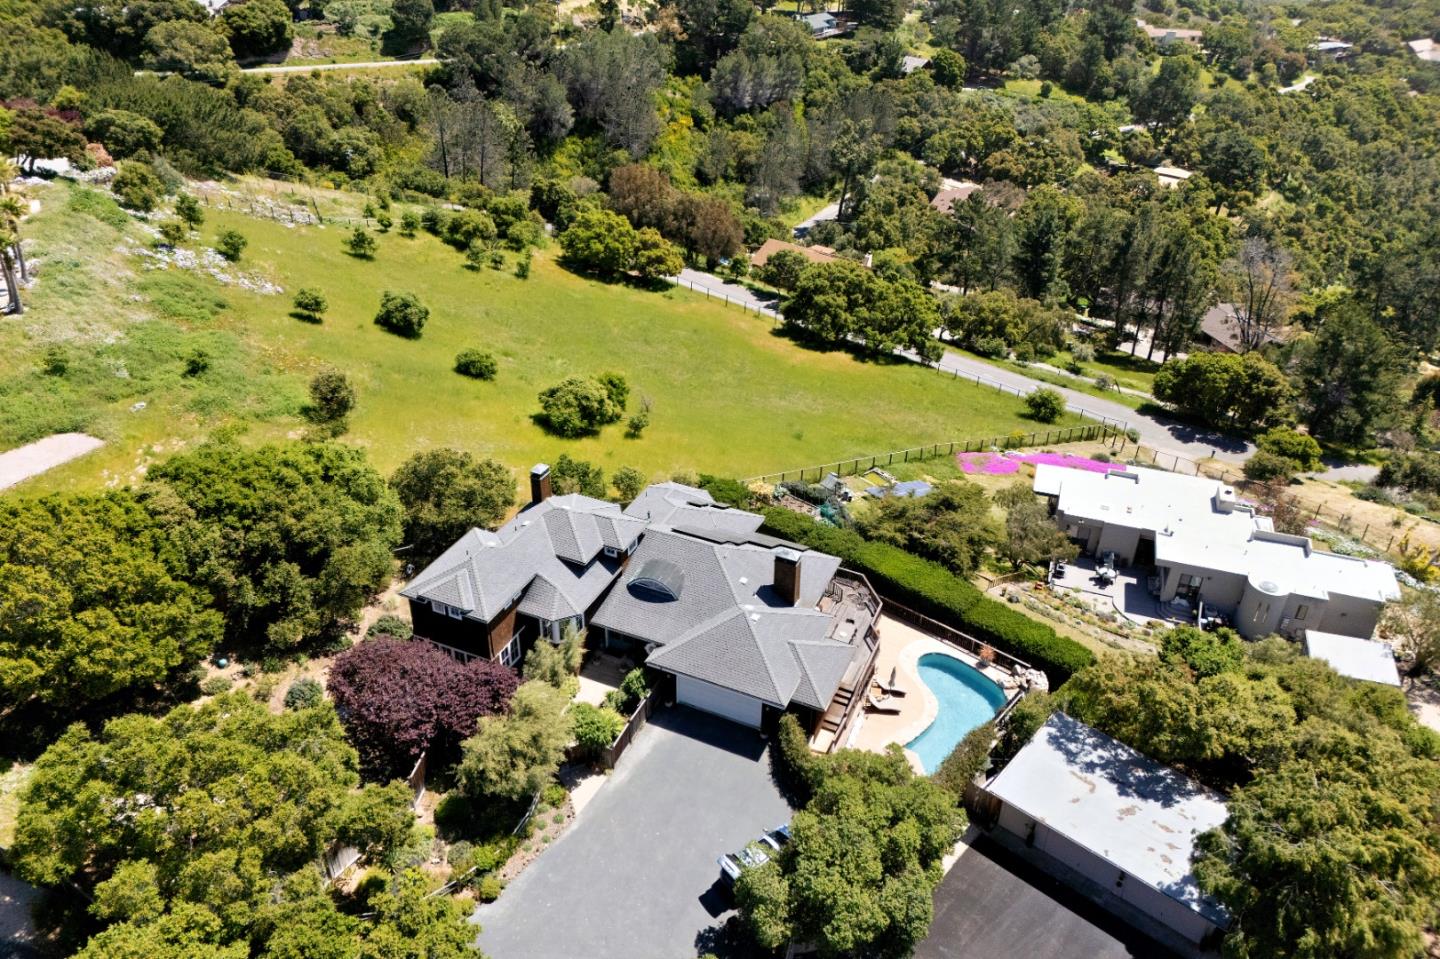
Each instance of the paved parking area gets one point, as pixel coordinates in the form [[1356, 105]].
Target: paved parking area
[[635, 877], [993, 906]]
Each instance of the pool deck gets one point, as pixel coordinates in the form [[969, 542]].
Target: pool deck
[[901, 646]]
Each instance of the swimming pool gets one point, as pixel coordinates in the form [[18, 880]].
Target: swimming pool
[[967, 699]]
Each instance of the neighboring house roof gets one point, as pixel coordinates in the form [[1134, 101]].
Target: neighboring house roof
[[1197, 522], [1129, 810], [1221, 326], [819, 21], [815, 254], [1330, 46], [953, 193], [1426, 49], [723, 621], [551, 547], [1169, 34], [910, 64], [912, 488], [1357, 658], [1172, 175]]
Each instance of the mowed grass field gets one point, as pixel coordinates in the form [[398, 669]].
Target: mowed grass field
[[728, 395]]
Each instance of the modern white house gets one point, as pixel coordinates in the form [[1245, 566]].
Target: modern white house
[[1123, 825], [1209, 548]]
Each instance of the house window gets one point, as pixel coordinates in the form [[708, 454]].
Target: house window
[[439, 607], [454, 612], [510, 655], [1302, 611]]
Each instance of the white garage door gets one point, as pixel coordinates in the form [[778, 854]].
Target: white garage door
[[718, 700]]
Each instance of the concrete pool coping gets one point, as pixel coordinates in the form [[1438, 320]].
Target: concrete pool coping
[[901, 646]]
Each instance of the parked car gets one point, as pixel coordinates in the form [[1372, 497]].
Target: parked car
[[755, 853]]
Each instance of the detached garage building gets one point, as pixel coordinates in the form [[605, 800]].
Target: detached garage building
[[1120, 821]]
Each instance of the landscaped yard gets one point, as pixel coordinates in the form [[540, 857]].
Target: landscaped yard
[[729, 396]]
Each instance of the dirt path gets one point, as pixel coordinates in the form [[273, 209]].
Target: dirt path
[[21, 463]]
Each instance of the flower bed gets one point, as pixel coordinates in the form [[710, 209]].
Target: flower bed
[[1003, 464]]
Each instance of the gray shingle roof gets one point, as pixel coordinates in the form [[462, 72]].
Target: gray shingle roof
[[675, 504], [484, 572], [727, 625]]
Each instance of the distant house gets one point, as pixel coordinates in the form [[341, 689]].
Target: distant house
[[821, 24], [1168, 36], [1172, 176], [952, 192], [1365, 659], [750, 626], [1208, 548], [1426, 49], [1330, 48], [911, 488], [1118, 824], [909, 64], [1220, 331], [815, 254], [490, 595]]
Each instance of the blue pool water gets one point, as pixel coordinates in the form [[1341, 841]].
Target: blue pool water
[[967, 699]]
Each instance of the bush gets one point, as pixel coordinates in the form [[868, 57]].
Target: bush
[[311, 302], [231, 244], [1045, 405], [1266, 466], [137, 187], [402, 314], [215, 685], [931, 589], [1083, 353], [477, 364], [579, 405], [596, 727], [967, 760], [989, 346], [798, 770], [332, 398], [1293, 445], [389, 625], [197, 362], [304, 693], [489, 888], [360, 244], [173, 233]]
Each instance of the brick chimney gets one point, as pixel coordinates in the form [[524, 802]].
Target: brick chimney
[[787, 575], [539, 484]]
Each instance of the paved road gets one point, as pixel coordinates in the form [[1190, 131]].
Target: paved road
[[635, 876], [23, 462], [992, 906], [734, 292], [824, 213], [18, 939]]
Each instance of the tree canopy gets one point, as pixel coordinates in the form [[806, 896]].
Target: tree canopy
[[444, 493]]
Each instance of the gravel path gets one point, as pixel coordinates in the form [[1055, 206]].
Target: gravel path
[[24, 462]]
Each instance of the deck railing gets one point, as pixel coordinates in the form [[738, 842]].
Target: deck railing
[[949, 634]]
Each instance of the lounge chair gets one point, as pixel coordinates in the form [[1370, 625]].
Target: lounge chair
[[890, 689], [881, 705]]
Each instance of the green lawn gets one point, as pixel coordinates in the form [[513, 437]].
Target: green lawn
[[729, 396]]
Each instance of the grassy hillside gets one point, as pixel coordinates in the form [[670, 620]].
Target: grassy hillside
[[728, 394]]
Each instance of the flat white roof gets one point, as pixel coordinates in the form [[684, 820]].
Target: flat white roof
[[1137, 814], [1191, 530], [1357, 658]]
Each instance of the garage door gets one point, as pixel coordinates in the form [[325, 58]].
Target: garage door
[[718, 700]]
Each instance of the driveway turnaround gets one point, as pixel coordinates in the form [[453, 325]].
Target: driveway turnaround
[[635, 877], [991, 905]]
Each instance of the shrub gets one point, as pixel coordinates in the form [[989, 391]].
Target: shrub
[[967, 760], [196, 363], [1265, 466], [798, 769], [215, 685], [332, 397], [595, 728], [579, 405], [311, 302], [389, 625], [137, 187], [637, 424], [231, 244], [360, 244], [477, 364], [931, 589], [1083, 353], [409, 223], [402, 314], [304, 693], [173, 233], [522, 267], [489, 888], [1045, 405], [990, 346], [1293, 445]]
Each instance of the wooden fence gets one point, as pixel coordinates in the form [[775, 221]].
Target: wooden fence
[[633, 725], [853, 467]]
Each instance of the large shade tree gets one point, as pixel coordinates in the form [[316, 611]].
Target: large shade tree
[[446, 492], [291, 539]]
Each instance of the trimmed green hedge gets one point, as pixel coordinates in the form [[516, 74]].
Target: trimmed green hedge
[[930, 588]]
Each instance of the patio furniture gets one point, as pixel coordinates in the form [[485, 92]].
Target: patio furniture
[[890, 689], [881, 705]]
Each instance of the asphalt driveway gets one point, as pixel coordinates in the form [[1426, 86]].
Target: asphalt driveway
[[636, 875], [993, 906]]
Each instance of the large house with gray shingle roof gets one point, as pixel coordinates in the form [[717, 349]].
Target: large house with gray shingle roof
[[748, 625]]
